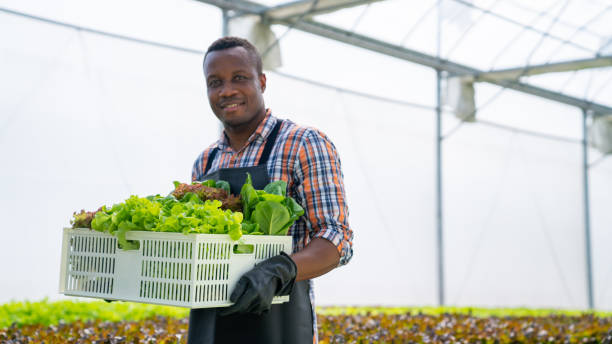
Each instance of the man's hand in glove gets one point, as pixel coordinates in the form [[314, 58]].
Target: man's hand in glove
[[256, 288]]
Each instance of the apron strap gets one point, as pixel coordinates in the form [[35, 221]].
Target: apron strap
[[270, 143], [264, 155], [211, 157]]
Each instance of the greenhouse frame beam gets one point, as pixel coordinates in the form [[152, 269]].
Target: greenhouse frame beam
[[294, 9], [365, 42], [389, 49], [243, 6], [565, 66], [286, 11]]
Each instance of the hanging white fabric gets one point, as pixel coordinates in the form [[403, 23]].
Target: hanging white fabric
[[600, 133], [459, 95], [260, 34]]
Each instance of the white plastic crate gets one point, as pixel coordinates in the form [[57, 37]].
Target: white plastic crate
[[193, 270]]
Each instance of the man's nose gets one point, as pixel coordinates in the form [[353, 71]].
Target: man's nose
[[227, 90]]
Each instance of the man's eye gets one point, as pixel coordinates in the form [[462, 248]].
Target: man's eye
[[239, 77], [214, 83]]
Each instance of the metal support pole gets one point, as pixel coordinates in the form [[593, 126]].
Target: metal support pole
[[587, 215], [439, 189], [439, 232], [225, 29]]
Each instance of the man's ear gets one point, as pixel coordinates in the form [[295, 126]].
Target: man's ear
[[262, 82]]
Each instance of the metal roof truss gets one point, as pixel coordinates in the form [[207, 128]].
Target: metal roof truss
[[289, 13]]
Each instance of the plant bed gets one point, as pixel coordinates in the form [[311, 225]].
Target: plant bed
[[98, 322]]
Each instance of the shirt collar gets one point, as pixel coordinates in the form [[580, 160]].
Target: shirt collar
[[260, 134]]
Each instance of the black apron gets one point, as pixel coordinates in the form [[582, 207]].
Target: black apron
[[286, 323]]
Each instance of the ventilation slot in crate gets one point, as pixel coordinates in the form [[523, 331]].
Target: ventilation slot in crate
[[264, 251], [212, 272], [89, 264], [211, 293], [164, 291], [167, 270], [91, 244], [90, 284], [214, 251], [167, 249]]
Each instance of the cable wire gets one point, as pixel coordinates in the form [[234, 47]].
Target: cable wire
[[589, 84], [469, 28], [582, 27], [569, 80], [418, 22], [605, 85], [597, 161], [354, 92], [531, 28], [529, 132], [527, 63], [491, 99], [291, 26], [99, 32], [514, 39], [604, 46], [545, 34], [361, 15], [452, 131], [515, 4]]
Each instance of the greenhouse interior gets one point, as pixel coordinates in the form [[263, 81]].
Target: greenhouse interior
[[474, 136]]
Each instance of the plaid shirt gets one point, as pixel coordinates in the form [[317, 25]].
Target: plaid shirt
[[307, 160]]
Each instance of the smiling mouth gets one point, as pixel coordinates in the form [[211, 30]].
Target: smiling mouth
[[230, 106]]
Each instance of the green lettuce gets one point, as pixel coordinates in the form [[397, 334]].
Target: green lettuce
[[265, 212], [272, 217], [167, 214], [268, 211]]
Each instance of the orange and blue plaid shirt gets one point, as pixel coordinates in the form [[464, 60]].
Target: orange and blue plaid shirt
[[307, 160]]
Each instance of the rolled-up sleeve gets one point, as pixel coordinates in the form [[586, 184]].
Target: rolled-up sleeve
[[323, 190]]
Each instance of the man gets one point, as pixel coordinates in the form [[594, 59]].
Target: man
[[270, 149]]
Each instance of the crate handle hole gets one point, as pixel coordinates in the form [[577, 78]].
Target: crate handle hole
[[134, 245], [243, 249]]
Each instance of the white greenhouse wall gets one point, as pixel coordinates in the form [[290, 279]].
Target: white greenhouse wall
[[87, 120]]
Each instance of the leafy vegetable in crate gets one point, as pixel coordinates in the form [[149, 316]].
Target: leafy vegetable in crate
[[268, 211], [205, 207], [209, 190], [83, 219], [167, 214]]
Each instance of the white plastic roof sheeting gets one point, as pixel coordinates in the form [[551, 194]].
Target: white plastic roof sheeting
[[497, 34], [87, 120]]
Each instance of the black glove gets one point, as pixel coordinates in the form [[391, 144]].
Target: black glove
[[256, 288]]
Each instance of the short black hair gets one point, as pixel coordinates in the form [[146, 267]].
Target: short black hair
[[231, 42]]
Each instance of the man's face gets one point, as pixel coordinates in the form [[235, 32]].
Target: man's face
[[235, 88]]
